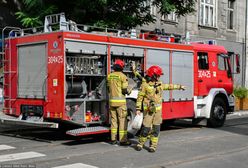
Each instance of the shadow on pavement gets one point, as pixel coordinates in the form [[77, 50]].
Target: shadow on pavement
[[178, 125], [50, 135], [236, 125]]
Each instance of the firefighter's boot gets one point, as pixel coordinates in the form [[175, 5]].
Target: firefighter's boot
[[113, 142], [151, 149], [143, 138], [154, 138], [113, 136], [153, 144], [140, 145], [126, 143]]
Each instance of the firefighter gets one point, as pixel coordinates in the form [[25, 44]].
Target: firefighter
[[150, 97], [118, 88]]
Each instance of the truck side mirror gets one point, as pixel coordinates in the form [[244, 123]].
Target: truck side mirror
[[237, 57]]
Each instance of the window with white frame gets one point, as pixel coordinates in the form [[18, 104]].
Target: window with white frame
[[170, 17], [208, 13], [148, 3], [153, 9], [230, 14]]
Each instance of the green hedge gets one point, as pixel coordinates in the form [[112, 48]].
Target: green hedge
[[240, 92]]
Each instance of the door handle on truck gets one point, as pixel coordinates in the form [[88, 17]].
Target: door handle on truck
[[200, 80], [219, 80]]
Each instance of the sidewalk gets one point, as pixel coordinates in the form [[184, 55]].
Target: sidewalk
[[238, 113]]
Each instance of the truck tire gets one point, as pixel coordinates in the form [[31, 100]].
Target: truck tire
[[218, 113], [131, 110]]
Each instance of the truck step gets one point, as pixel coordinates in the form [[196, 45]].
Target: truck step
[[18, 122], [88, 131]]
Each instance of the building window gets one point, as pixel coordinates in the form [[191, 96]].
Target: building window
[[208, 13], [230, 14], [170, 17], [203, 61], [148, 3], [153, 9]]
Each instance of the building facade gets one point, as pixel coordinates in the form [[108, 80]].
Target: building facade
[[223, 21]]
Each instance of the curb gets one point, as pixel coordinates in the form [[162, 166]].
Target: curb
[[238, 113]]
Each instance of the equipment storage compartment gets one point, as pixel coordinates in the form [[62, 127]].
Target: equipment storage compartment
[[129, 55], [86, 112], [85, 88]]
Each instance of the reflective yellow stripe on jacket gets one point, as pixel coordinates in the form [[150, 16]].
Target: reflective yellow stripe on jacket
[[116, 82], [117, 100]]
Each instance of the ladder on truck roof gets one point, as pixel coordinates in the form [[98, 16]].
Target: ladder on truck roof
[[55, 19]]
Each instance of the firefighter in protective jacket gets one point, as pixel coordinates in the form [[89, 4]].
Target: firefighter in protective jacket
[[118, 88], [150, 100]]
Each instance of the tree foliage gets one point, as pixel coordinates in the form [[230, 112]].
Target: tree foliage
[[121, 14], [180, 7], [33, 12]]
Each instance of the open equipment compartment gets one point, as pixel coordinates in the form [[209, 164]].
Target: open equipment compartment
[[85, 89], [129, 55]]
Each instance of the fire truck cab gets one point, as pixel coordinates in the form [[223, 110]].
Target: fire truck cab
[[60, 76]]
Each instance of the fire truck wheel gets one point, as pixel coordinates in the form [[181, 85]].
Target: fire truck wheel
[[131, 110], [218, 113]]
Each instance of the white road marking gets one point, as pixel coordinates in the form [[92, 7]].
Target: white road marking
[[76, 165], [19, 156], [6, 147]]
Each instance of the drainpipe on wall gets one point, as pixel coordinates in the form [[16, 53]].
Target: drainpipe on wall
[[186, 32], [244, 77]]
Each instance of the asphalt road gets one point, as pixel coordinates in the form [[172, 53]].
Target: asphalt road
[[180, 146]]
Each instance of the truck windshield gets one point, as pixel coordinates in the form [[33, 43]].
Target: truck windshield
[[224, 63]]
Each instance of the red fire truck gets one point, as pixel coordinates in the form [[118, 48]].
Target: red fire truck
[[54, 76]]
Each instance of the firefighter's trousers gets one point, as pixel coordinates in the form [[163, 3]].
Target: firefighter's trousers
[[119, 122], [151, 123]]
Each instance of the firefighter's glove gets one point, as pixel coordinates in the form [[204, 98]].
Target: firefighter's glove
[[182, 87], [138, 112], [125, 91], [152, 107], [133, 66], [129, 90]]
